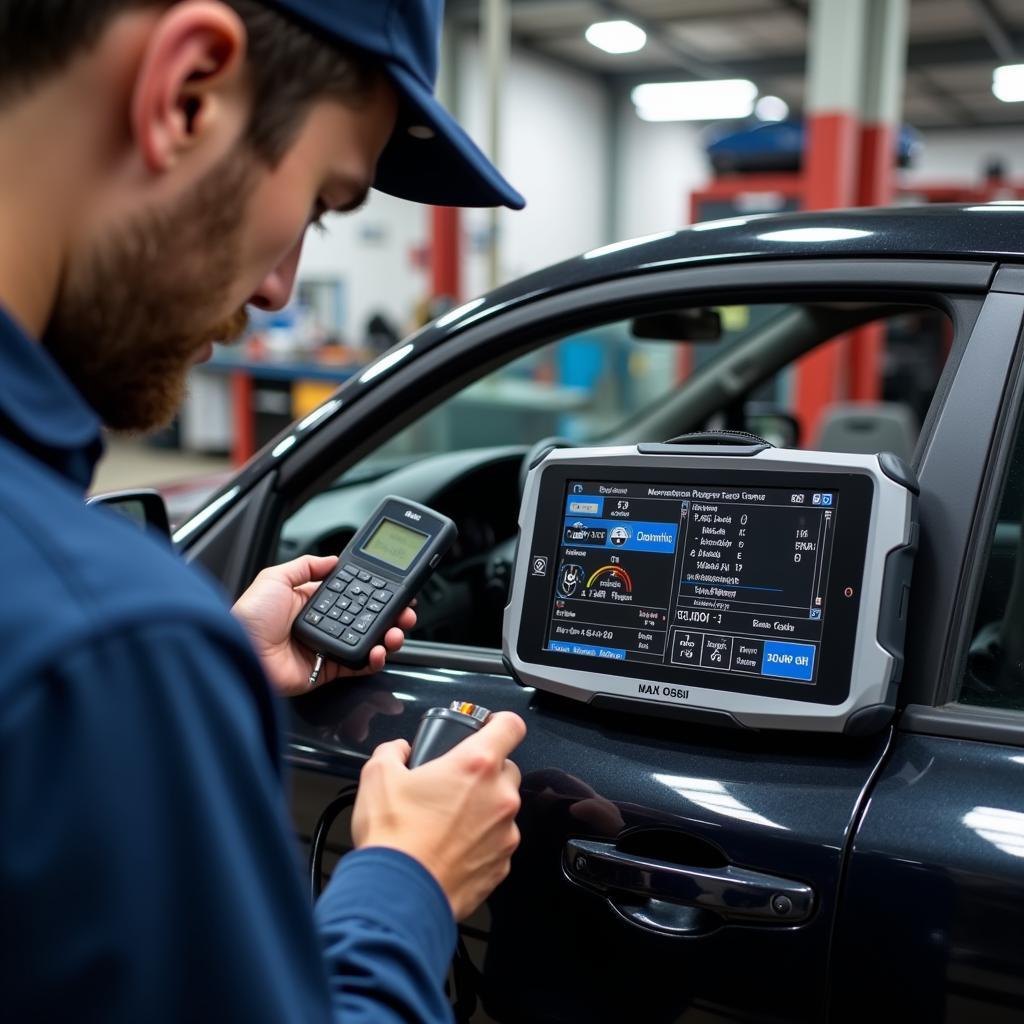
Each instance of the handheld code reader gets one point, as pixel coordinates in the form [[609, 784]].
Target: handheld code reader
[[377, 575], [737, 585]]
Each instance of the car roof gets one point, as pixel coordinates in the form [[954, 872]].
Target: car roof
[[941, 231]]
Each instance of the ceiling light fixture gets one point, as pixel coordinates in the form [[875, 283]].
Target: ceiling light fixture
[[771, 108], [1008, 83], [616, 36], [695, 101]]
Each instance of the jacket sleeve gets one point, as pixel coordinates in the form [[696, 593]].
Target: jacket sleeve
[[148, 871], [396, 940]]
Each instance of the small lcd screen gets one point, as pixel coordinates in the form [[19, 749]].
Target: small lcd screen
[[715, 577], [395, 544]]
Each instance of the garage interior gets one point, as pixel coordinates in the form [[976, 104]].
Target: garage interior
[[707, 467], [837, 84]]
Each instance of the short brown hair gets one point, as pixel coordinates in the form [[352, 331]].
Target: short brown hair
[[289, 66]]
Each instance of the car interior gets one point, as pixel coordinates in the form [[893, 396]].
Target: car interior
[[649, 378], [994, 675]]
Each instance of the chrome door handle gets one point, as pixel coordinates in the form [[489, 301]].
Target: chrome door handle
[[731, 894]]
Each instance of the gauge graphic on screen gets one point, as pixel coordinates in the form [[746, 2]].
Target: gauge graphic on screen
[[620, 534], [570, 577], [611, 577]]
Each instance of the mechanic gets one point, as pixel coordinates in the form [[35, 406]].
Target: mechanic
[[160, 162]]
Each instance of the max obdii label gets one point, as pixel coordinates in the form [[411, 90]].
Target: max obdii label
[[662, 692]]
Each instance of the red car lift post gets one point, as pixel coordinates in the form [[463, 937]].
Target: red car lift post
[[444, 253]]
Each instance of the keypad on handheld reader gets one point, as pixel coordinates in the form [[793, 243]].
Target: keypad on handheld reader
[[365, 594]]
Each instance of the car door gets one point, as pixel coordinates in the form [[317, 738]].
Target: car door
[[638, 834], [931, 918]]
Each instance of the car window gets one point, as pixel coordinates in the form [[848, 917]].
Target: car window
[[582, 387], [590, 386], [647, 379], [994, 670]]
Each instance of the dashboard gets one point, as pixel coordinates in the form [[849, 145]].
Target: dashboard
[[476, 488]]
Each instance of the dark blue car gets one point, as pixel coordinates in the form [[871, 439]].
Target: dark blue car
[[908, 844]]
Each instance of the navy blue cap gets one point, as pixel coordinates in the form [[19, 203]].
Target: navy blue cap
[[429, 159]]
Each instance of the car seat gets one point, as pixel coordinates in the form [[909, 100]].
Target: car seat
[[868, 427]]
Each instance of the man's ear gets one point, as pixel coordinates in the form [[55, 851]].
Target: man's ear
[[188, 85]]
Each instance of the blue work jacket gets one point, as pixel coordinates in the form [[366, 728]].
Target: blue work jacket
[[147, 867]]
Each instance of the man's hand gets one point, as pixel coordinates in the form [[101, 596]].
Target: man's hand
[[455, 815], [273, 602]]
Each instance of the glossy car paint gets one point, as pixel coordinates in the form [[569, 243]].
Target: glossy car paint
[[560, 953], [932, 913]]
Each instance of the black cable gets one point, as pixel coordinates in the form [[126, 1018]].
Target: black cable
[[468, 982], [316, 848]]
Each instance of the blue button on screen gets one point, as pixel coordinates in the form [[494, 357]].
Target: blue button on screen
[[587, 650], [788, 661]]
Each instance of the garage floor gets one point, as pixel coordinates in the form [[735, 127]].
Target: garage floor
[[186, 480], [133, 463]]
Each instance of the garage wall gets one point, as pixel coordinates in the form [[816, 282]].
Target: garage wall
[[371, 251], [553, 149], [661, 164], [554, 143], [963, 155]]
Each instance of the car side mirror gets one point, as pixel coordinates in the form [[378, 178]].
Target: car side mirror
[[144, 508]]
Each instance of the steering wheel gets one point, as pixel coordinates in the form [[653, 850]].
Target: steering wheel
[[536, 452]]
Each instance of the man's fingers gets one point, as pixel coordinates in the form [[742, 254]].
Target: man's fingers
[[397, 751], [304, 569], [407, 620], [375, 661], [501, 735], [393, 639]]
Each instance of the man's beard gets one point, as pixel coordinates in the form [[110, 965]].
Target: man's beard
[[130, 323]]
